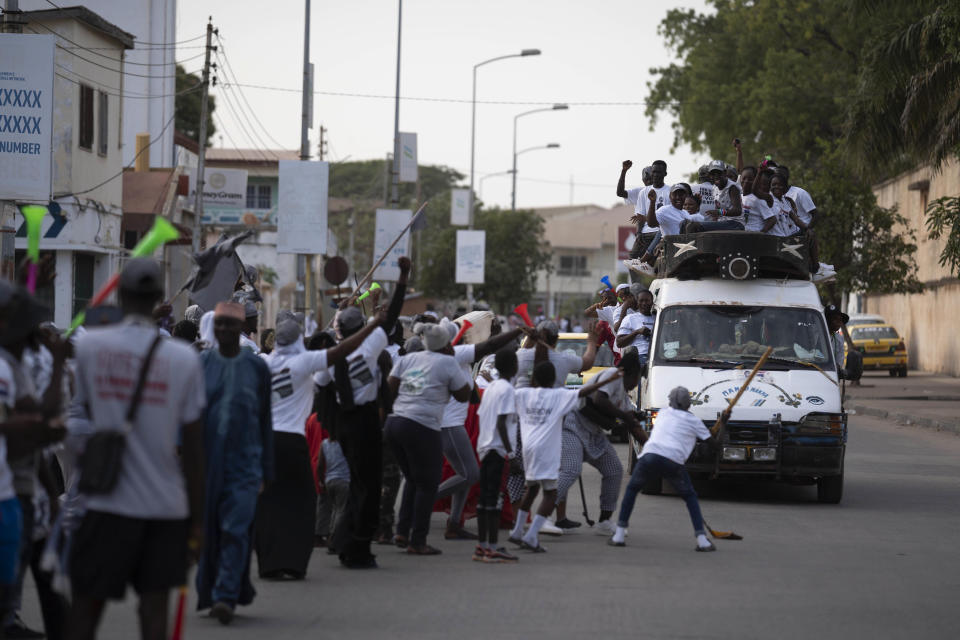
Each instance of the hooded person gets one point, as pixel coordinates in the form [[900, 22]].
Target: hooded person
[[357, 423], [664, 453], [284, 525], [239, 456], [422, 383]]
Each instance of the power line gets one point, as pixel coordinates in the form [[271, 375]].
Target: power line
[[56, 6], [229, 73], [237, 111], [117, 175], [116, 92], [94, 51], [126, 73]]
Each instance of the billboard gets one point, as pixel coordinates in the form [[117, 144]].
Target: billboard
[[408, 157], [460, 207], [26, 116], [390, 223], [223, 189], [471, 246], [302, 207]]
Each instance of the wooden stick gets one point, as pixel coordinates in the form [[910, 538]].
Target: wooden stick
[[369, 275], [743, 388]]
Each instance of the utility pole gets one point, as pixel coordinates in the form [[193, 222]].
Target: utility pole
[[395, 184], [202, 140], [306, 260]]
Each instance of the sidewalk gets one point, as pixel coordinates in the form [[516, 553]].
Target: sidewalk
[[925, 399]]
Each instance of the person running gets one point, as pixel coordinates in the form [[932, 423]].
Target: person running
[[239, 458], [143, 529], [496, 442], [422, 383], [584, 438], [663, 455], [541, 409], [286, 511]]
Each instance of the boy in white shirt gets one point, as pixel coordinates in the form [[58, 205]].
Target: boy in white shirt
[[496, 442], [664, 453], [541, 409], [637, 328]]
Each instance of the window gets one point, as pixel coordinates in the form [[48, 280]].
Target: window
[[259, 196], [86, 117], [130, 239], [83, 264], [102, 123], [573, 266], [878, 332]]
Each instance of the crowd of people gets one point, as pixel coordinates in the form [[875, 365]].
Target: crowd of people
[[128, 451], [758, 198]]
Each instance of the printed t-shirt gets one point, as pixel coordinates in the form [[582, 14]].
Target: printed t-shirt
[[785, 226], [705, 189], [426, 380], [804, 203], [674, 434], [455, 413], [643, 203], [758, 212], [563, 364], [362, 369], [291, 369], [636, 321], [108, 360], [723, 199], [498, 399], [541, 413]]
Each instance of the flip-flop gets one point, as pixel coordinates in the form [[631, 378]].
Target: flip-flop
[[529, 547], [705, 549], [516, 541]]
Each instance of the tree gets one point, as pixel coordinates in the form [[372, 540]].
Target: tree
[[907, 110], [777, 74], [187, 106]]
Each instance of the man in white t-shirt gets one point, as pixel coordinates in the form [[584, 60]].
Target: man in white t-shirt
[[806, 209], [669, 220], [637, 328], [652, 198], [664, 453], [630, 196], [704, 189], [140, 531], [541, 409]]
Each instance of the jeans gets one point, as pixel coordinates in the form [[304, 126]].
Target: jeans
[[420, 455], [650, 466]]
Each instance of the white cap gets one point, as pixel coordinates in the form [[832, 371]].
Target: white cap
[[621, 287]]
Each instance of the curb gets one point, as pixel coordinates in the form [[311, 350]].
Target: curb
[[950, 426]]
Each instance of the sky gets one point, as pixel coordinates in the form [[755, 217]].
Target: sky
[[592, 52]]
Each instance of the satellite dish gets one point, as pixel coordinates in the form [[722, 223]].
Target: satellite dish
[[336, 270]]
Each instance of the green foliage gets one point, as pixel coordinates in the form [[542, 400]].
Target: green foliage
[[514, 248], [187, 107], [779, 74], [943, 215]]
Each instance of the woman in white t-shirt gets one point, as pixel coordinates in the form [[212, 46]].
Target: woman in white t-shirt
[[422, 384]]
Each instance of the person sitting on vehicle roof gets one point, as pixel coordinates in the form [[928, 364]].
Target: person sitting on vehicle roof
[[788, 221], [670, 218], [728, 208], [760, 214]]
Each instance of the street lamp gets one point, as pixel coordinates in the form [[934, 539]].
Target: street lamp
[[473, 132], [513, 196], [513, 190], [491, 175]]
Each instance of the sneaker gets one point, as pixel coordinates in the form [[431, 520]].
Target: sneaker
[[614, 543], [567, 523], [640, 267], [605, 528], [222, 611], [458, 533], [500, 555], [18, 629], [479, 554], [551, 529]]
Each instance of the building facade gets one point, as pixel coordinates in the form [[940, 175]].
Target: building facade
[[927, 320]]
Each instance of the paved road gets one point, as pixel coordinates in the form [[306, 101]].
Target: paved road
[[883, 564]]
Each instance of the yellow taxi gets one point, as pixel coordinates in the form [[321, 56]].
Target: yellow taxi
[[882, 347], [577, 344]]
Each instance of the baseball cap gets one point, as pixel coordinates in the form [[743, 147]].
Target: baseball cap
[[287, 332], [833, 310], [349, 320], [717, 165], [142, 275]]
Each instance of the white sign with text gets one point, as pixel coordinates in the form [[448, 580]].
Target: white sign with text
[[222, 189], [302, 207], [460, 207], [390, 223], [471, 246]]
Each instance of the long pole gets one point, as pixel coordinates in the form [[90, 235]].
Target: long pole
[[473, 141], [202, 143], [305, 107], [513, 186], [395, 182]]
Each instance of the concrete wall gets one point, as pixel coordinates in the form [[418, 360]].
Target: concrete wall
[[928, 320]]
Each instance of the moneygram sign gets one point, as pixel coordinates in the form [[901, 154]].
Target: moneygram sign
[[26, 116], [224, 189]]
